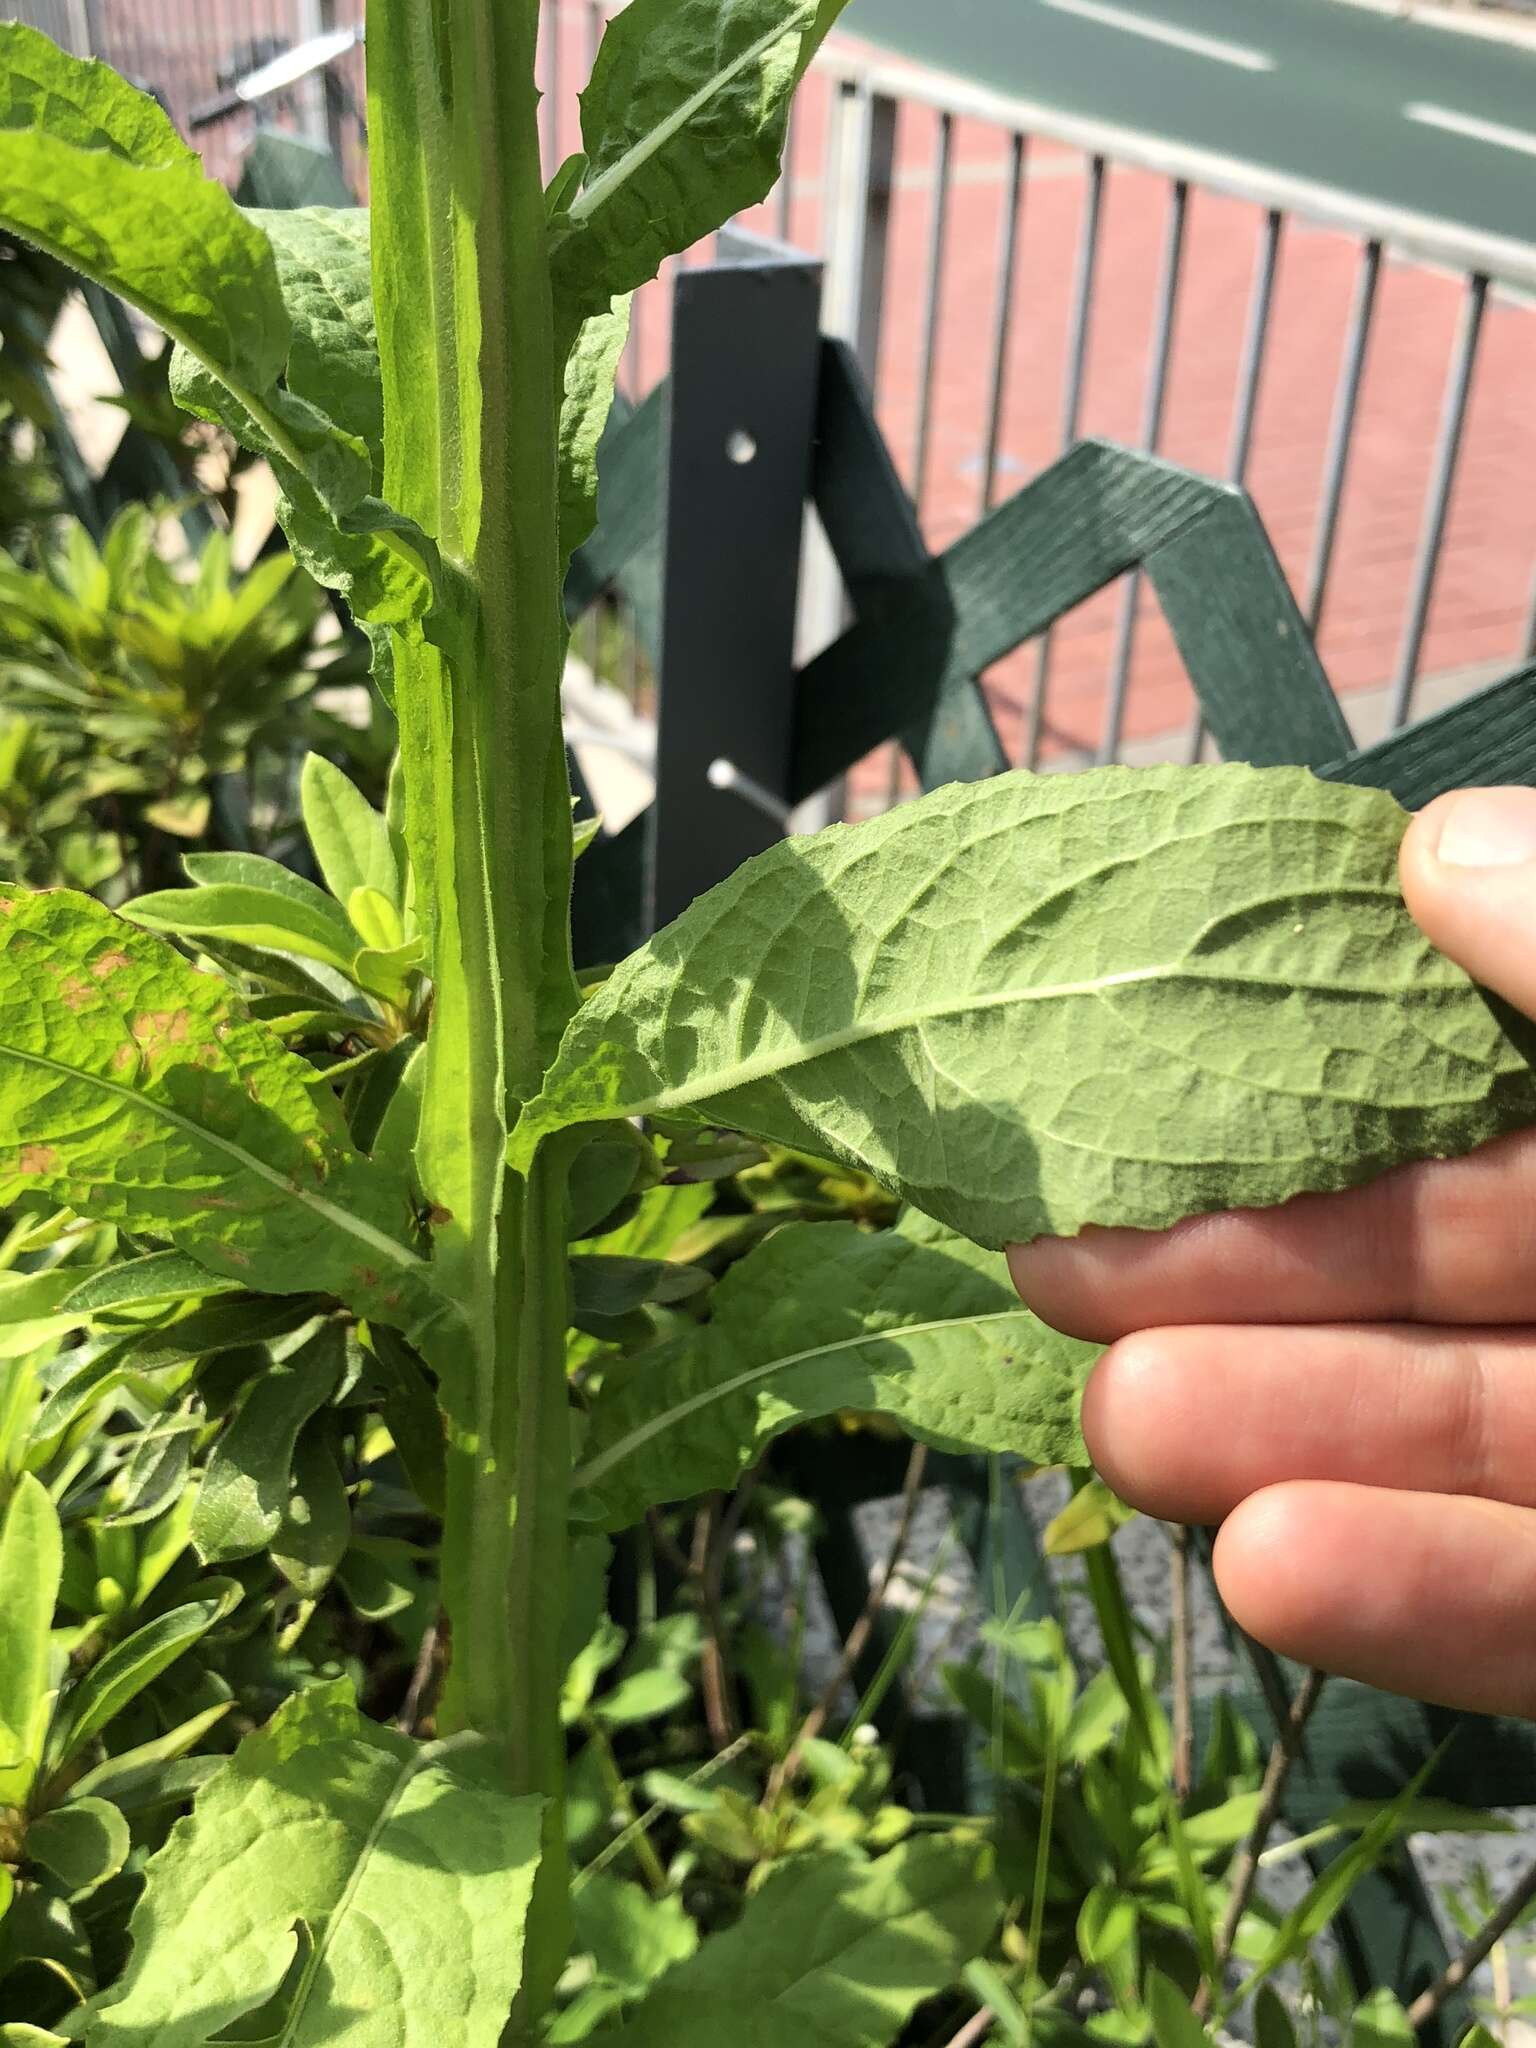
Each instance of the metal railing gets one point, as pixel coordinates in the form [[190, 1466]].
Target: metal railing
[[877, 99], [894, 175]]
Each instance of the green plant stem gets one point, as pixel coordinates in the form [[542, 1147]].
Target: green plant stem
[[1245, 1868], [1113, 1614], [1183, 1661], [618, 1792], [472, 376], [1042, 1864], [1451, 1979]]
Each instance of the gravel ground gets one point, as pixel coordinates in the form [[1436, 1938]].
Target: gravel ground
[[949, 1631]]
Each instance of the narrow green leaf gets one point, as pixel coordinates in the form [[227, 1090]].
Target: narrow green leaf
[[243, 917], [1174, 2025], [27, 1298], [80, 1845], [1224, 1826], [1379, 2021], [147, 1282], [683, 121], [1089, 1518], [1106, 1923], [1272, 2024], [252, 902], [312, 1538], [604, 1285], [350, 838], [128, 1777], [133, 1090], [827, 1948], [1424, 1817], [375, 920], [1333, 1885], [93, 1369], [1039, 1002], [131, 1665], [410, 1868], [31, 1567], [644, 1696], [823, 1316], [245, 1490]]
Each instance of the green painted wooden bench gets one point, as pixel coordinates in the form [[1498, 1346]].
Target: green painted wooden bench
[[699, 552]]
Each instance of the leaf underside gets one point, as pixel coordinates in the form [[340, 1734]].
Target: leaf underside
[[1039, 1002]]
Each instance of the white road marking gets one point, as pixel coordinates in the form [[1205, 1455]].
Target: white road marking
[[1189, 39], [1462, 124]]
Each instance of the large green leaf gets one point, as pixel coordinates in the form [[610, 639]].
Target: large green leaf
[[683, 122], [822, 1316], [133, 1089], [31, 1566], [94, 172], [324, 271], [1039, 1002], [829, 1951], [408, 1869]]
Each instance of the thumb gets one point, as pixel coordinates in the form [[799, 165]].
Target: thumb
[[1468, 868]]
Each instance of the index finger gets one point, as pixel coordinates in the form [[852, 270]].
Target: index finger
[[1442, 1241]]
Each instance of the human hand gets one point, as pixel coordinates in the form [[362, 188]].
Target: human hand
[[1347, 1383]]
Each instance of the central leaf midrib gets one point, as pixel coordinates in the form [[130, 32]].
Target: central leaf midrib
[[764, 1065], [587, 203], [337, 1218], [410, 1768]]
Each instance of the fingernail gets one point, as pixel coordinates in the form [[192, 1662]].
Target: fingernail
[[1488, 828]]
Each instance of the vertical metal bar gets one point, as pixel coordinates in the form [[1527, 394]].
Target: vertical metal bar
[[1002, 318], [550, 22], [1528, 639], [741, 416], [595, 25], [1072, 402], [1151, 433], [855, 310], [629, 627], [1341, 429], [856, 271], [786, 193], [938, 223], [1447, 449], [1249, 376]]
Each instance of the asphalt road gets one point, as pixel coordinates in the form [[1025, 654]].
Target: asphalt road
[[1429, 119]]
